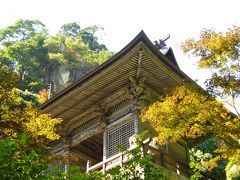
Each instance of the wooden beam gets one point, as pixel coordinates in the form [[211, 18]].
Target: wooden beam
[[90, 152], [84, 156], [124, 119], [97, 128]]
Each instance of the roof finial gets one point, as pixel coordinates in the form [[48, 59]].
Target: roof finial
[[161, 43]]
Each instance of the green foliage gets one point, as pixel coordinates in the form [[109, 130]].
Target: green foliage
[[77, 47], [20, 159], [140, 164], [74, 173], [219, 53], [210, 146], [21, 30], [22, 49], [17, 114], [28, 98], [201, 154], [70, 29], [66, 50], [27, 48], [89, 37]]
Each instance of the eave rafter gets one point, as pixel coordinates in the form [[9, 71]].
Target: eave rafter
[[161, 66], [105, 89]]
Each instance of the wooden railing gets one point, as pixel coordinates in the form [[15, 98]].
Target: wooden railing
[[159, 159], [165, 160], [105, 165]]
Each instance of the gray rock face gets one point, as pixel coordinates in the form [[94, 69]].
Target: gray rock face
[[64, 75]]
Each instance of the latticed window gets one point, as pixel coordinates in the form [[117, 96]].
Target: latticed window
[[121, 136], [60, 167]]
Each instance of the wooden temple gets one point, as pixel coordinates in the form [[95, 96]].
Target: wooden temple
[[101, 109]]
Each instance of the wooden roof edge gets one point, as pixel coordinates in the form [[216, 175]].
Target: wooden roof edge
[[140, 37], [166, 60], [94, 71], [171, 56]]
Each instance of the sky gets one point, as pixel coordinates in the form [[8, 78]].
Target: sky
[[123, 20]]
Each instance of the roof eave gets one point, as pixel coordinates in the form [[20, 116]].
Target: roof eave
[[141, 37]]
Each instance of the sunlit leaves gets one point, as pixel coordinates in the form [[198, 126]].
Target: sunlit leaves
[[189, 113], [43, 96], [220, 53], [40, 125], [18, 115]]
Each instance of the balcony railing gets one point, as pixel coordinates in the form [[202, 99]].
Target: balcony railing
[[160, 159]]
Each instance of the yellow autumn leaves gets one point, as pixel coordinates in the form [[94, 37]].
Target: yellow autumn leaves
[[19, 117], [188, 112]]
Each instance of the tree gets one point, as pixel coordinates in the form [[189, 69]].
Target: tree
[[22, 49], [25, 134], [89, 37], [27, 48], [201, 154], [22, 155], [18, 115], [20, 159], [190, 113], [77, 47], [70, 29], [220, 54]]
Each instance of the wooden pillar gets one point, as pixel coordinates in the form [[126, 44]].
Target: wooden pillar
[[104, 149], [136, 122], [104, 145], [138, 92], [88, 166]]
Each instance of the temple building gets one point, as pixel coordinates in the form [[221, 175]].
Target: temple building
[[102, 108]]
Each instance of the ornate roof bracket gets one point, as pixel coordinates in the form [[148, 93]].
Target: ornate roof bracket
[[66, 143], [139, 63], [101, 109], [136, 90]]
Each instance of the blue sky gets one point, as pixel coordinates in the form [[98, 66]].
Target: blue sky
[[123, 20]]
